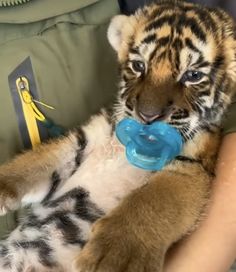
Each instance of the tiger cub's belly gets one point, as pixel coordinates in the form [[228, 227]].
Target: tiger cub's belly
[[106, 174]]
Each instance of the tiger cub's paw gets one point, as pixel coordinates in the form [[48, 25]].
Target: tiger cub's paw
[[9, 197], [113, 248]]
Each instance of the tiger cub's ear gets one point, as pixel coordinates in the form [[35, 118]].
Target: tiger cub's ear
[[115, 31], [120, 33]]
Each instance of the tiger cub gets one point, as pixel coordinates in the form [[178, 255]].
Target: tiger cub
[[178, 65]]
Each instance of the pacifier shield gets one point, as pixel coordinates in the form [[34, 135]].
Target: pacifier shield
[[149, 147]]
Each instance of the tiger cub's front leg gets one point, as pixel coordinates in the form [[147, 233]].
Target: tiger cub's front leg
[[137, 234], [35, 175]]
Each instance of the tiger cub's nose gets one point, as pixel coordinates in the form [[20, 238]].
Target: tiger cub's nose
[[149, 118]]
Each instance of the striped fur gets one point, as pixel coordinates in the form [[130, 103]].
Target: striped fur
[[178, 65], [171, 38]]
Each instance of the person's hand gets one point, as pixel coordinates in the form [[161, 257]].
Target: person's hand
[[212, 247]]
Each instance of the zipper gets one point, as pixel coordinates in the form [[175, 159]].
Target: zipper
[[9, 3], [30, 110]]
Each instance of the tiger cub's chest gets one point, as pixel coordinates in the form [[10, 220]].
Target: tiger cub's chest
[[105, 172]]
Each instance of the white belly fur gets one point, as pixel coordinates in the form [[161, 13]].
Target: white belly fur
[[105, 172]]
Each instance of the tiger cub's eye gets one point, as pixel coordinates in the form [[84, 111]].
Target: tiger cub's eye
[[138, 66], [192, 76]]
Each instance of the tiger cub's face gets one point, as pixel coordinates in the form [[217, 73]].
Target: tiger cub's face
[[178, 64]]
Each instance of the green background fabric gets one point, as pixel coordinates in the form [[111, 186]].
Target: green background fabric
[[229, 125], [38, 10], [74, 66]]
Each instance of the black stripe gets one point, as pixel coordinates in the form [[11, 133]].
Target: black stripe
[[209, 128], [175, 123], [3, 251], [181, 114], [208, 113], [220, 14], [191, 23], [7, 263], [218, 93], [55, 178], [177, 44], [31, 221], [87, 210], [84, 208], [5, 256], [79, 193], [163, 41], [162, 55], [128, 113], [192, 133], [124, 94], [160, 22], [160, 10], [44, 250], [204, 93], [20, 268], [153, 54], [192, 160], [204, 17], [187, 159], [191, 46], [67, 227], [149, 39], [128, 104], [134, 50], [108, 113], [198, 105], [82, 141], [199, 60], [177, 60], [219, 89], [125, 78], [177, 117], [218, 62], [202, 64], [170, 55]]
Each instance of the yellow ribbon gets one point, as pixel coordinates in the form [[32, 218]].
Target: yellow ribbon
[[30, 110]]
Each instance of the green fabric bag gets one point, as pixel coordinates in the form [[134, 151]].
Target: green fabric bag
[[61, 48], [229, 125], [73, 66]]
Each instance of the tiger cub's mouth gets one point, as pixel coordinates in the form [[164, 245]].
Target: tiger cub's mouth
[[147, 118]]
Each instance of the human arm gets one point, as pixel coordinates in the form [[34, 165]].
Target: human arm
[[212, 247]]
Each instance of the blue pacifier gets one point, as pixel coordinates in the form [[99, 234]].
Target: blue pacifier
[[149, 147]]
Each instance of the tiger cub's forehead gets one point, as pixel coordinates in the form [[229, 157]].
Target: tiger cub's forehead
[[175, 35]]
